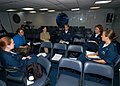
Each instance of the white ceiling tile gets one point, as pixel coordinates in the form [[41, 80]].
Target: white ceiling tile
[[54, 4]]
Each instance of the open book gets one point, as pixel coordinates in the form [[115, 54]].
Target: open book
[[57, 57], [91, 56], [94, 56]]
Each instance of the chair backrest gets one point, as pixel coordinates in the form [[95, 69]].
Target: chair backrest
[[45, 45], [71, 64], [117, 61], [76, 39], [45, 63], [2, 73], [75, 48], [1, 68], [99, 69], [2, 83], [60, 46], [62, 49]]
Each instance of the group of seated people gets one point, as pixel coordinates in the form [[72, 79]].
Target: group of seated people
[[104, 47]]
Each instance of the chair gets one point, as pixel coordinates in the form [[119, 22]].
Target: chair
[[78, 41], [46, 45], [97, 69], [88, 33], [119, 77], [2, 83], [74, 51], [7, 77], [117, 62], [19, 79], [59, 49], [2, 76], [66, 79], [45, 63], [117, 71]]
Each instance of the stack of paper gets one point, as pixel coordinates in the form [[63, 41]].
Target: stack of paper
[[57, 57], [64, 42], [43, 54], [89, 52], [73, 58], [36, 43], [94, 56]]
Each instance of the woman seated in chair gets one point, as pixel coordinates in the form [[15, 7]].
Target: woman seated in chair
[[12, 59], [107, 52], [45, 37], [94, 41]]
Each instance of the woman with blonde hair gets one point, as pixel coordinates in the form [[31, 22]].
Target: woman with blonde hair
[[107, 51]]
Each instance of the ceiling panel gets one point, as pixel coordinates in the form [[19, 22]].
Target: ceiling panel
[[58, 5], [86, 4], [114, 4], [6, 1], [54, 1]]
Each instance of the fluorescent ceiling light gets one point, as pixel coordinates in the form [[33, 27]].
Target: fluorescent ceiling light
[[43, 9], [51, 10], [32, 11], [11, 10], [28, 8], [92, 8], [75, 9], [103, 2]]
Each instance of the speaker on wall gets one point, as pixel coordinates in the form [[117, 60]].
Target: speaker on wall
[[109, 18], [16, 18]]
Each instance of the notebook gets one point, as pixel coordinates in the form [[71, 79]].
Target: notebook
[[57, 57], [94, 57]]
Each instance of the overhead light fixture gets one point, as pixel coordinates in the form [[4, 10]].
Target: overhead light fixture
[[92, 8], [103, 2], [11, 10], [75, 9], [28, 8], [43, 9], [51, 10], [32, 11]]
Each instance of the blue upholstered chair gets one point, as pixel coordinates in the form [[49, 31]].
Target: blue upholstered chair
[[97, 69], [46, 45], [74, 51], [66, 79], [46, 64]]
